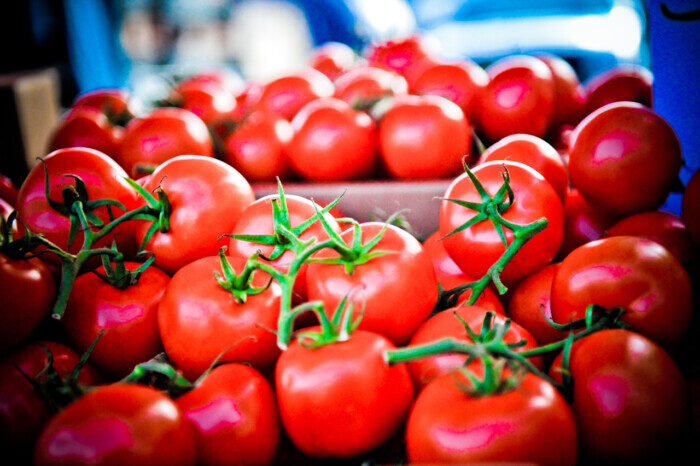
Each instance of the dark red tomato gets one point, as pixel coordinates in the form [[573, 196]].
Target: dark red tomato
[[397, 290], [459, 82], [111, 102], [530, 305], [691, 207], [341, 400], [424, 137], [129, 317], [161, 135], [332, 142], [629, 272], [8, 191], [533, 152], [103, 178], [447, 325], [233, 414], [568, 92], [117, 424], [583, 222], [366, 84], [625, 157], [478, 247], [285, 96], [530, 424], [86, 127], [256, 147], [518, 99], [333, 59], [207, 198], [629, 83], [199, 320], [206, 99], [397, 55], [629, 398], [22, 410]]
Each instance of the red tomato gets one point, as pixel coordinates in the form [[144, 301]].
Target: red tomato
[[161, 135], [518, 99], [332, 142], [233, 414], [630, 83], [629, 398], [285, 96], [86, 127], [397, 55], [111, 102], [226, 78], [206, 99], [568, 92], [207, 197], [423, 137], [398, 290], [446, 325], [530, 424], [342, 399], [367, 84], [478, 247], [332, 59], [691, 207], [117, 424], [5, 209], [625, 157], [533, 152], [629, 272], [129, 317], [8, 191], [583, 222]]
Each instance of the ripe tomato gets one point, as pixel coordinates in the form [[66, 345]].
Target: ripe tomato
[[117, 424], [86, 127], [366, 84], [568, 92], [207, 197], [8, 191], [206, 99], [161, 135], [691, 207], [423, 137], [629, 83], [342, 399], [583, 222], [111, 102], [224, 77], [518, 99], [397, 55], [625, 157], [333, 59], [533, 152], [478, 247], [398, 290], [629, 272], [332, 142], [285, 96], [629, 398], [530, 424], [233, 414]]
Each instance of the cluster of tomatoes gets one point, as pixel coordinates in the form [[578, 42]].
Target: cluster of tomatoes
[[537, 325]]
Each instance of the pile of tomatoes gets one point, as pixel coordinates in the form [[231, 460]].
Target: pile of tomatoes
[[153, 311]]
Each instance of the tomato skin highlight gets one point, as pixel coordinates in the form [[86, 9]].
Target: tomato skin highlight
[[332, 59]]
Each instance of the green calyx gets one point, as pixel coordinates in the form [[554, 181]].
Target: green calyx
[[240, 286], [157, 210], [159, 373], [334, 330], [118, 275]]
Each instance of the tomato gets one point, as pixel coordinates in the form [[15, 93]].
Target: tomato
[[161, 135], [332, 59], [206, 99], [398, 290], [629, 398], [129, 317], [459, 82], [117, 424], [423, 137], [111, 102], [446, 325], [518, 99], [629, 272], [397, 55], [530, 424], [233, 413], [533, 152], [285, 96], [86, 127], [256, 147], [478, 247], [630, 83], [332, 142], [22, 410], [342, 399], [5, 209], [690, 208], [207, 197], [366, 84], [583, 222], [8, 191], [625, 157], [568, 92], [228, 79]]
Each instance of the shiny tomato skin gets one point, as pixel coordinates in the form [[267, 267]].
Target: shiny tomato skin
[[206, 99], [111, 102], [423, 137], [518, 99], [342, 399], [198, 320], [333, 59], [162, 134], [366, 84], [397, 55], [530, 424], [629, 398], [569, 96], [207, 197], [634, 273], [533, 152], [583, 222], [224, 77], [86, 127], [233, 415], [8, 191], [446, 325], [332, 142], [690, 207], [625, 157], [476, 248], [285, 96], [624, 83], [128, 316], [397, 290], [117, 424]]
